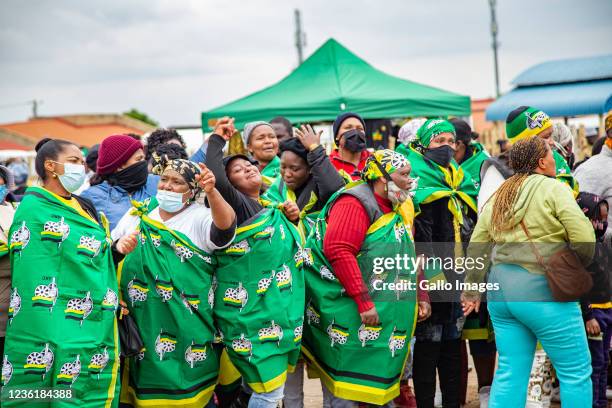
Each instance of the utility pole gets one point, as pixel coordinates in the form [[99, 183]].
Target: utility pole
[[300, 37], [35, 103], [495, 44]]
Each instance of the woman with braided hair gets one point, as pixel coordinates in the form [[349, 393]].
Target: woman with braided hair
[[531, 207]]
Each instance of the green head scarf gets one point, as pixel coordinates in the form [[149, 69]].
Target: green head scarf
[[432, 128]]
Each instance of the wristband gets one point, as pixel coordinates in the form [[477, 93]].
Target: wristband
[[313, 146]]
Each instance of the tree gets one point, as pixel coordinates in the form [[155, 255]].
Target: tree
[[141, 116]]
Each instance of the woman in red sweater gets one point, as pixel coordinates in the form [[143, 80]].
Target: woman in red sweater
[[357, 333]]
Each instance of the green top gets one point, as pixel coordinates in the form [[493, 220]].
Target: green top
[[564, 173], [271, 172], [334, 80], [550, 214], [62, 330], [472, 164]]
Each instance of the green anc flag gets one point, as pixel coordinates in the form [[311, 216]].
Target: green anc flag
[[271, 172], [471, 166], [259, 299], [278, 193], [336, 343], [167, 283], [62, 330], [564, 173]]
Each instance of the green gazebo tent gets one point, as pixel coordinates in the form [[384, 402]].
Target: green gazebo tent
[[333, 80]]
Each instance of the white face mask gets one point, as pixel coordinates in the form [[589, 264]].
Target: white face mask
[[170, 201], [398, 195], [73, 177]]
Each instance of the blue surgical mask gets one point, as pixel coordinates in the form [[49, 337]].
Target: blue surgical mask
[[3, 192], [73, 177], [169, 201]]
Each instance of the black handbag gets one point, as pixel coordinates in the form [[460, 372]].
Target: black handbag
[[129, 336]]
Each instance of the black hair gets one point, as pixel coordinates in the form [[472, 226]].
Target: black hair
[[598, 145], [295, 146], [160, 137], [4, 176], [173, 151], [463, 131], [92, 157], [512, 115], [48, 149], [285, 122]]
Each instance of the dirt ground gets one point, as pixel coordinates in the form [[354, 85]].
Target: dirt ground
[[313, 397]]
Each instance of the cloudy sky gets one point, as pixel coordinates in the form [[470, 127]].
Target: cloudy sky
[[173, 59]]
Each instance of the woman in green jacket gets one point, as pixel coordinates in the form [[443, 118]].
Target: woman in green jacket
[[519, 299]]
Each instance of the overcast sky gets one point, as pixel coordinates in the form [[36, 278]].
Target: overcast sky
[[172, 59]]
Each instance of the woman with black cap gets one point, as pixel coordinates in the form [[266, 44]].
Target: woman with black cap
[[351, 155], [307, 174], [257, 277]]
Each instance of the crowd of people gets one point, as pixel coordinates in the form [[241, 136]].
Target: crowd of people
[[139, 276]]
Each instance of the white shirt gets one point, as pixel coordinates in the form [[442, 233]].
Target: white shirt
[[195, 222], [491, 181]]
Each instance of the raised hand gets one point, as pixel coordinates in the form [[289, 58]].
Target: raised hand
[[308, 136], [225, 127], [206, 179]]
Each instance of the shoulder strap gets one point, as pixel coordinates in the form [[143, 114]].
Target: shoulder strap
[[365, 195], [533, 246]]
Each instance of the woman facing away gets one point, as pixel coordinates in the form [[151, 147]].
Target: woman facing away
[[533, 202]]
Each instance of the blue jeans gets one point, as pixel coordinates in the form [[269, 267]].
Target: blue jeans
[[267, 399], [519, 325], [600, 357]]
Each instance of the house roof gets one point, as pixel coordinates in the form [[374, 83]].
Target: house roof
[[567, 70], [84, 130]]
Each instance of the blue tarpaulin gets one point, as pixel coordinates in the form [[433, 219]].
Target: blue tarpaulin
[[572, 87]]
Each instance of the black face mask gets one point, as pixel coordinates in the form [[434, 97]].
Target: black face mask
[[131, 178], [441, 155], [354, 140]]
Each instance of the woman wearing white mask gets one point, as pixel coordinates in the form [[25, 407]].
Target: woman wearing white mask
[[62, 325], [167, 284]]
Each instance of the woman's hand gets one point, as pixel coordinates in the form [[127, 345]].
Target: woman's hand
[[206, 179], [308, 136], [225, 127], [291, 210], [370, 317], [469, 304], [127, 243], [424, 311], [592, 328]]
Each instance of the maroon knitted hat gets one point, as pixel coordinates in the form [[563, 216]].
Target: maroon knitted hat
[[114, 151]]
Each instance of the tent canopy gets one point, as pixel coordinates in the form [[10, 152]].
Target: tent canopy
[[580, 86], [334, 80]]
